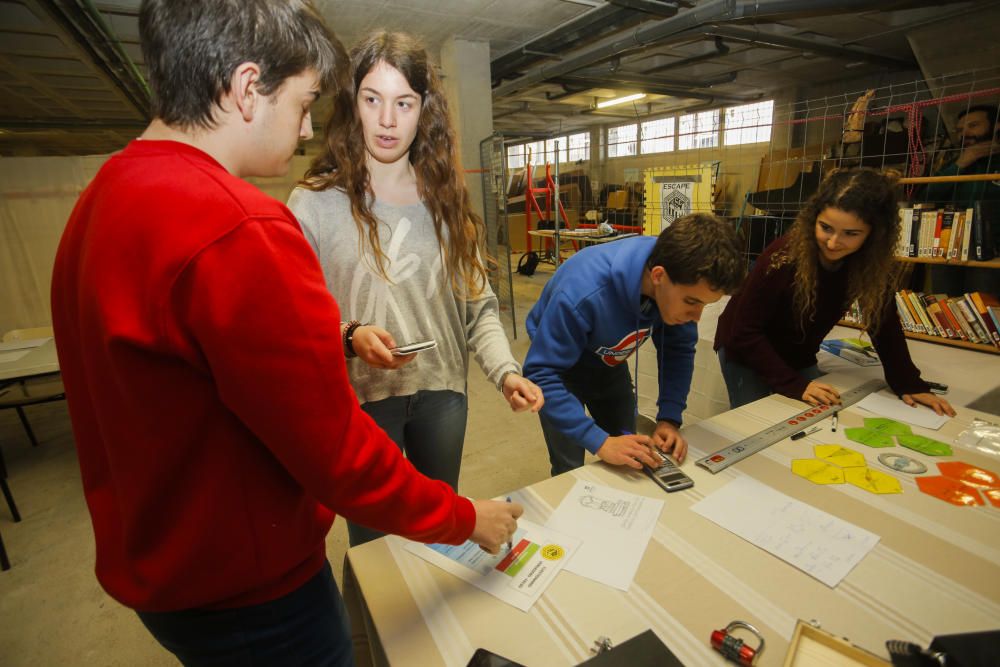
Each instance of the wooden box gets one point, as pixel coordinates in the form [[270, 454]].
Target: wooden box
[[812, 647]]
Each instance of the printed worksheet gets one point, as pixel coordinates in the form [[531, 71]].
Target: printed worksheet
[[517, 576], [615, 527], [819, 544], [886, 404]]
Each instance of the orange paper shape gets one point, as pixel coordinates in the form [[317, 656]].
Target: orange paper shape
[[950, 490], [873, 481], [818, 472], [992, 495], [970, 474], [839, 456]]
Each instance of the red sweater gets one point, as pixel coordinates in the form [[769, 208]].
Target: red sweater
[[760, 328], [215, 426]]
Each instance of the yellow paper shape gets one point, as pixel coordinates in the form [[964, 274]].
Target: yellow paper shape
[[818, 472], [840, 456], [873, 481]]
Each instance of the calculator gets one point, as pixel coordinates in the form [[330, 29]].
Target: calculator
[[668, 475]]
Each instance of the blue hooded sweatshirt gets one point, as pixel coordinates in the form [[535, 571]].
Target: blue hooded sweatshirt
[[592, 312]]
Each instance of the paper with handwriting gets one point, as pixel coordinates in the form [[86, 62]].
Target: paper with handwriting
[[820, 544]]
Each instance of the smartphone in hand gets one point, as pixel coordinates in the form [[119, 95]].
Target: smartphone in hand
[[413, 348]]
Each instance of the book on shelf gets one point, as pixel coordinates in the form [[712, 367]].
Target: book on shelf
[[928, 231], [969, 317], [982, 243]]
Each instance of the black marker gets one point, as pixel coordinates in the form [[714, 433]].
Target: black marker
[[835, 417], [802, 434]]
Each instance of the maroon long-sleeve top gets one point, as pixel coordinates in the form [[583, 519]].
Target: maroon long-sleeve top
[[760, 328]]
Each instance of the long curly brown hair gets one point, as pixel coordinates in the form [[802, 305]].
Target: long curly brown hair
[[433, 154], [872, 272]]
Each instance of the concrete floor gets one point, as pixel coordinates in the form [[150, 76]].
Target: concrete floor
[[53, 612]]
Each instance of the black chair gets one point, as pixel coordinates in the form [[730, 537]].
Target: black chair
[[786, 202], [9, 497]]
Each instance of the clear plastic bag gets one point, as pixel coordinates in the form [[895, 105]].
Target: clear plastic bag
[[981, 436]]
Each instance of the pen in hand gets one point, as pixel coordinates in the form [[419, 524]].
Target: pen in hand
[[510, 543]]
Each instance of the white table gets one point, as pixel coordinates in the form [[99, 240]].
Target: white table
[[935, 570], [40, 360]]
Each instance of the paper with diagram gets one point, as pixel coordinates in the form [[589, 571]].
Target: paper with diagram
[[886, 404], [517, 576], [819, 544], [614, 526]]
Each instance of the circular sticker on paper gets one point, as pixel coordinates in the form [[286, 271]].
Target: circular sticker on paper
[[553, 552], [901, 463]]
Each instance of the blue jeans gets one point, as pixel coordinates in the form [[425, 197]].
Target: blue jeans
[[429, 427], [607, 394], [744, 385], [307, 627]]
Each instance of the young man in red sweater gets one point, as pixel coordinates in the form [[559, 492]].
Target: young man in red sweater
[[204, 363]]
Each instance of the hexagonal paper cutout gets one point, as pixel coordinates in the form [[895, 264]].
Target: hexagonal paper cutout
[[818, 472], [950, 490], [873, 481], [970, 474], [839, 456], [929, 446], [887, 426], [866, 436], [992, 495]]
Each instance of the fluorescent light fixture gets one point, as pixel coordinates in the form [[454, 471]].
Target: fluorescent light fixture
[[620, 100]]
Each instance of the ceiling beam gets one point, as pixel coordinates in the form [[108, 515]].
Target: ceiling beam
[[655, 7]]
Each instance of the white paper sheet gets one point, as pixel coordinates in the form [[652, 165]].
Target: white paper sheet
[[614, 526], [23, 344], [7, 356], [819, 544], [887, 404], [517, 577]]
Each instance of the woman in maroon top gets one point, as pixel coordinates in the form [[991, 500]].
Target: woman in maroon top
[[840, 250]]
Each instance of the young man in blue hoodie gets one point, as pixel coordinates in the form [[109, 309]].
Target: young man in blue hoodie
[[596, 311]]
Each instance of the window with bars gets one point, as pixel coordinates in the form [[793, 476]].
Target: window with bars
[[748, 124], [657, 136], [698, 130], [622, 140]]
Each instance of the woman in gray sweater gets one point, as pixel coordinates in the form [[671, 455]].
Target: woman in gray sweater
[[386, 209]]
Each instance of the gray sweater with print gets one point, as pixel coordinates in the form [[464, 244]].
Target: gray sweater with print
[[418, 304]]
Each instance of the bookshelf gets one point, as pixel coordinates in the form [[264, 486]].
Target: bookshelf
[[991, 264], [951, 342]]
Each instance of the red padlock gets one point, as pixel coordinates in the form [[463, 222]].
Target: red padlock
[[733, 648]]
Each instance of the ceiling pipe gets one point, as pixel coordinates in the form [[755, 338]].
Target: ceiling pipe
[[655, 7], [758, 38], [638, 78], [105, 53], [568, 91], [566, 36], [695, 18], [655, 89], [720, 50]]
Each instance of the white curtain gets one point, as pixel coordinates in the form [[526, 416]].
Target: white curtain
[[37, 195]]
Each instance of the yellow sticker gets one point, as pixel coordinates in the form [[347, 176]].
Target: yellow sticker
[[553, 552]]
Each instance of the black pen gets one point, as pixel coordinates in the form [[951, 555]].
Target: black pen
[[510, 543], [802, 434], [835, 418]]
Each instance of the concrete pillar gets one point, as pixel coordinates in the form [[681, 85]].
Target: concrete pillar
[[466, 70]]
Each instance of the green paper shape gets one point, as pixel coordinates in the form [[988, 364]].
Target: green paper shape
[[929, 446], [870, 437], [887, 426]]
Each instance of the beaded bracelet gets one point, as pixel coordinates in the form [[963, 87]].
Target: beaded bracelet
[[349, 330]]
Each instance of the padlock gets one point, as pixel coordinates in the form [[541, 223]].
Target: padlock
[[735, 649]]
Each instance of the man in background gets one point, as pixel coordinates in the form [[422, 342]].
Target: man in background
[[203, 358]]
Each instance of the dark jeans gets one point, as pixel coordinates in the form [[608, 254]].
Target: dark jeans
[[309, 626], [429, 427], [607, 394], [745, 386]]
